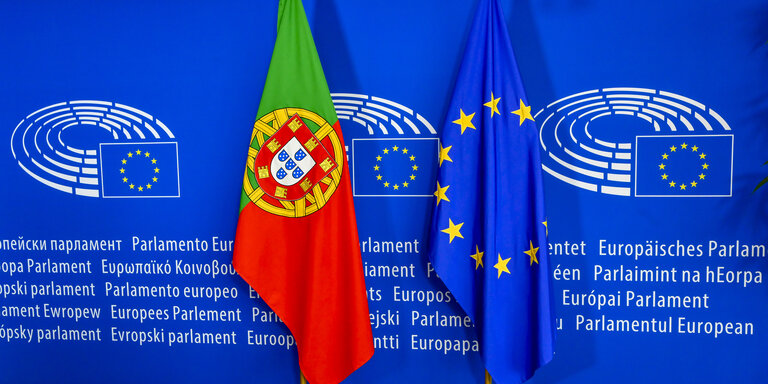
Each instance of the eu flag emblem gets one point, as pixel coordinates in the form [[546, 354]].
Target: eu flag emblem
[[684, 165], [488, 234], [394, 167], [139, 169]]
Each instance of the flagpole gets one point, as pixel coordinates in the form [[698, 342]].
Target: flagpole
[[488, 379], [302, 379]]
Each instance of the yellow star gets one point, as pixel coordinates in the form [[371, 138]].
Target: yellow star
[[124, 161], [672, 183], [703, 156], [378, 177], [694, 184], [122, 170], [682, 187], [415, 167], [695, 148], [478, 256], [125, 179], [130, 154], [138, 152], [464, 121], [141, 188], [702, 176], [532, 253], [493, 105], [149, 186], [157, 170], [664, 156], [130, 186], [453, 230], [386, 150], [146, 154], [673, 148], [662, 166], [405, 150], [440, 193], [378, 158], [154, 161], [524, 112], [705, 166], [396, 187], [413, 158], [501, 265], [684, 146], [395, 148], [154, 179], [405, 184], [546, 227], [413, 177], [444, 154], [664, 176], [386, 184], [376, 167]]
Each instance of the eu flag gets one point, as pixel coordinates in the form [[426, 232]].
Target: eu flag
[[139, 169], [488, 235], [683, 165], [394, 167]]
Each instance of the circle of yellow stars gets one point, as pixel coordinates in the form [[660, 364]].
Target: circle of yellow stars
[[393, 150], [138, 154], [454, 229], [680, 183]]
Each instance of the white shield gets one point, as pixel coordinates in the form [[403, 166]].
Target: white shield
[[291, 163]]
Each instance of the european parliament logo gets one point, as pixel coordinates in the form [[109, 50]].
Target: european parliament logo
[[397, 159], [637, 142], [98, 149]]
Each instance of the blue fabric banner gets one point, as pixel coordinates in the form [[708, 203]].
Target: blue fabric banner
[[648, 117]]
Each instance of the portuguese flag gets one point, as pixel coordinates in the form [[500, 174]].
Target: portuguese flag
[[297, 242]]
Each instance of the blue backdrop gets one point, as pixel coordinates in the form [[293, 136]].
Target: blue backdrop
[[103, 281]]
